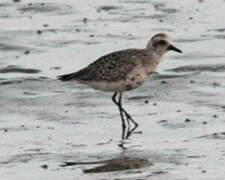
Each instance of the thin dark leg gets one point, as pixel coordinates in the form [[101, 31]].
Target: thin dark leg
[[128, 116], [121, 114], [120, 106]]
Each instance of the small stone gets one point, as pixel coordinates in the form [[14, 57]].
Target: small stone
[[45, 25], [164, 82], [203, 171], [84, 20], [215, 116], [55, 68], [187, 120], [163, 121], [5, 130], [204, 122], [192, 81], [44, 166], [178, 110], [215, 84], [91, 35], [39, 32], [27, 52], [154, 104], [146, 101]]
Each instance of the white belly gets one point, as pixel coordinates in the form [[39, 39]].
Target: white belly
[[134, 79]]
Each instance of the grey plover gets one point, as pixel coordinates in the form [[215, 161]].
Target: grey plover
[[122, 71]]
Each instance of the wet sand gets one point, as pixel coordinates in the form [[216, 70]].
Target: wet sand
[[61, 130]]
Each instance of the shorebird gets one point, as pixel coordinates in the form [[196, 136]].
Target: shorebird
[[122, 71]]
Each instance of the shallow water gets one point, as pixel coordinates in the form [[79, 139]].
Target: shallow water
[[45, 123]]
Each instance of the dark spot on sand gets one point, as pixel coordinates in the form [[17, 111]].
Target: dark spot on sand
[[44, 166], [27, 52], [84, 20], [163, 121], [14, 69], [215, 84], [215, 134], [107, 8], [164, 82], [187, 120], [132, 79], [55, 68], [203, 171], [39, 32]]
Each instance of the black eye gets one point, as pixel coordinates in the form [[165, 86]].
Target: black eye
[[162, 42]]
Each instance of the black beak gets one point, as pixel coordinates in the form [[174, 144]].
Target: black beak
[[173, 48]]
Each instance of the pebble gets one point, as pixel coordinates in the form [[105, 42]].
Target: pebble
[[164, 82], [84, 20], [27, 52], [39, 32], [44, 166], [187, 120]]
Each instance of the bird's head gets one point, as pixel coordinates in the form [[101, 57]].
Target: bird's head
[[160, 44]]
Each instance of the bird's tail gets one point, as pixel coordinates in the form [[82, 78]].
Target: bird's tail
[[67, 77]]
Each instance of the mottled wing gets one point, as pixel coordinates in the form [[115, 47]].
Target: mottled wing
[[111, 67]]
